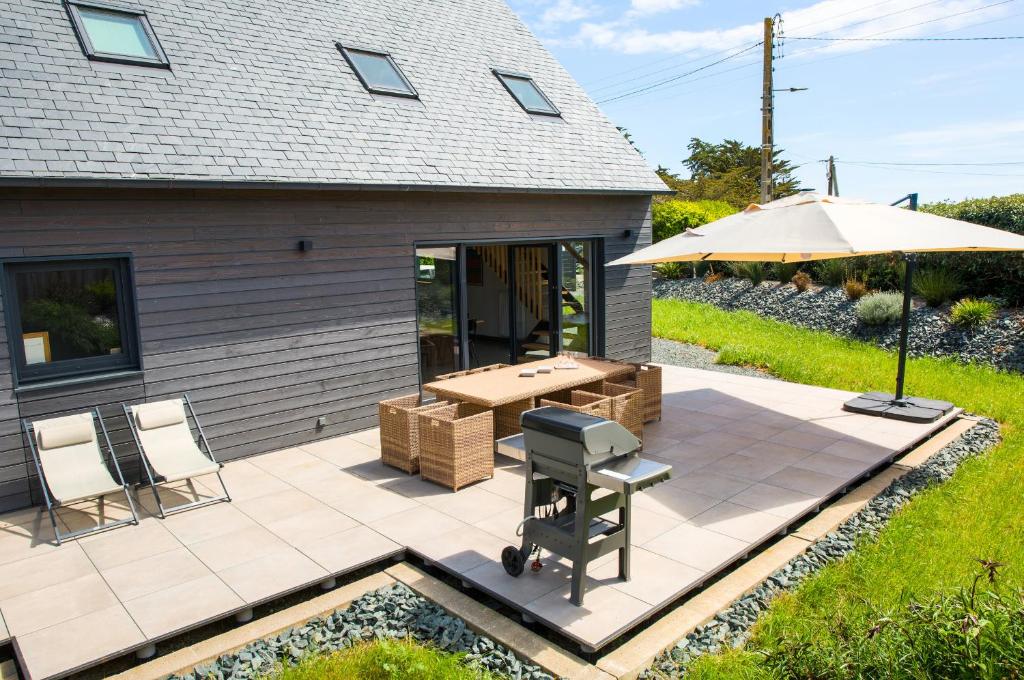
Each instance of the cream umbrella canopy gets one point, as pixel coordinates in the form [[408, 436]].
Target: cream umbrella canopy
[[810, 226]]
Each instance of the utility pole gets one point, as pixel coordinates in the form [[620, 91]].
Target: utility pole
[[830, 174], [767, 111]]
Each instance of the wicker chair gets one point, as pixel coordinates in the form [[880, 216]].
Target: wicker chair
[[456, 445], [399, 431], [583, 402], [506, 417], [648, 380], [627, 407]]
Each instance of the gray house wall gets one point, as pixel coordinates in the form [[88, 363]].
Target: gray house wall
[[267, 338]]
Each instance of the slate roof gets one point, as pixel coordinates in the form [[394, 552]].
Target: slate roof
[[258, 92]]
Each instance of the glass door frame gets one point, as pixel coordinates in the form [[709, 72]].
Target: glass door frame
[[596, 331]]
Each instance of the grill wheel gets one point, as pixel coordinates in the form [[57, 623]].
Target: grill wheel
[[513, 560]]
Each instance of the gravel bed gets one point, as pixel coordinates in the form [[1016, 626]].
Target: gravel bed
[[693, 356], [731, 626], [394, 612], [999, 342]]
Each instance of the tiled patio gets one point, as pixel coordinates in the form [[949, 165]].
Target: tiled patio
[[750, 456]]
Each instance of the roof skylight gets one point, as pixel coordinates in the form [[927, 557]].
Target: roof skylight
[[526, 92], [378, 72], [111, 33]]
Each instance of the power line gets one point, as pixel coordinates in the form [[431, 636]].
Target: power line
[[932, 172], [952, 164], [680, 76], [933, 39]]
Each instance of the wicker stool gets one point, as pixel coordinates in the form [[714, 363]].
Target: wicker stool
[[399, 431], [506, 417], [583, 402], [648, 380], [627, 407], [456, 445]]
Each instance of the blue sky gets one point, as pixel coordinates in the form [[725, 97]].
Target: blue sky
[[867, 102]]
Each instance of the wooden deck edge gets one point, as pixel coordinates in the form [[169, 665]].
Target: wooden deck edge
[[629, 660], [231, 641], [524, 642]]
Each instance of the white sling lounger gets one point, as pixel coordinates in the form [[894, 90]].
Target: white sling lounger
[[169, 452], [71, 466]]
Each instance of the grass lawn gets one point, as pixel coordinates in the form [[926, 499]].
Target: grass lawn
[[382, 660], [930, 545]]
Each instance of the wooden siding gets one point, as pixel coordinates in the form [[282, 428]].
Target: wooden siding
[[267, 338]]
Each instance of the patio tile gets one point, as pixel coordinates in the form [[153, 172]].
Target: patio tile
[[369, 503], [464, 549], [854, 449], [491, 577], [472, 503], [311, 525], [376, 472], [713, 484], [33, 515], [271, 574], [506, 483], [278, 505], [604, 610], [369, 437], [43, 570], [775, 500], [752, 468], [647, 524], [182, 606], [807, 481], [722, 442], [348, 549], [62, 601], [738, 521], [775, 453], [342, 451], [672, 502], [655, 444], [27, 540], [201, 524], [145, 576], [805, 440], [47, 652], [173, 494], [697, 547], [748, 428], [680, 429], [244, 545], [836, 466], [129, 544], [93, 513], [245, 481], [417, 526], [419, 489], [653, 578], [503, 525]]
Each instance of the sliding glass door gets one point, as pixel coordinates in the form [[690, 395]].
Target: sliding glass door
[[482, 304]]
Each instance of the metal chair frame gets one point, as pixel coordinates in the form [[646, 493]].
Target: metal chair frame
[[155, 479], [52, 504]]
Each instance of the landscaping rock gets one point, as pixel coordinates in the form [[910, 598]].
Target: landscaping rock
[[392, 612], [999, 342], [731, 627]]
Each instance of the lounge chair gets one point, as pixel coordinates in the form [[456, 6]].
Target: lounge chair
[[169, 452], [71, 466]]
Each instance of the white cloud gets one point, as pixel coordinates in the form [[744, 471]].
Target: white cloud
[[565, 11], [994, 134], [830, 18]]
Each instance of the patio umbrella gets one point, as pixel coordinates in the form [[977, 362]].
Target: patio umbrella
[[810, 226]]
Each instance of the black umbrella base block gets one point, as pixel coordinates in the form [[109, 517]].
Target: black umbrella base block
[[910, 409]]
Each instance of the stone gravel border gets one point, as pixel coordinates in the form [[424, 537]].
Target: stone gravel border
[[999, 342], [391, 612], [731, 627]]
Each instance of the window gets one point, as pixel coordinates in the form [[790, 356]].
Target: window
[[527, 93], [73, 317], [109, 33], [378, 72]]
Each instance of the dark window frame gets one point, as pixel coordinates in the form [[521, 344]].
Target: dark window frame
[[501, 74], [129, 359], [72, 6], [345, 50]]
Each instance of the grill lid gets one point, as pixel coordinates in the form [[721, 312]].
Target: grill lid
[[592, 435]]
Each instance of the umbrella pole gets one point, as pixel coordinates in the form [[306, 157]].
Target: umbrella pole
[[910, 259]]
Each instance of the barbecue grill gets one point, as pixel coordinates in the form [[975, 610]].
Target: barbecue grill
[[591, 464]]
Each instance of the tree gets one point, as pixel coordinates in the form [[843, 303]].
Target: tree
[[672, 217], [730, 172], [629, 138]]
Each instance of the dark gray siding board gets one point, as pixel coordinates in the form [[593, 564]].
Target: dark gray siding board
[[266, 338]]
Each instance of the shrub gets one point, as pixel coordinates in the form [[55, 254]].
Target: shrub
[[801, 280], [673, 270], [382, 660], [831, 272], [999, 274], [882, 272], [936, 286], [755, 272], [855, 289], [714, 277], [784, 271], [672, 217], [970, 312], [880, 309]]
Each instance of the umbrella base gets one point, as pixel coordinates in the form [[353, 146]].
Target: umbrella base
[[910, 409]]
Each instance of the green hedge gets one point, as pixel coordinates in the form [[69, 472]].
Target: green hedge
[[672, 217], [999, 274]]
